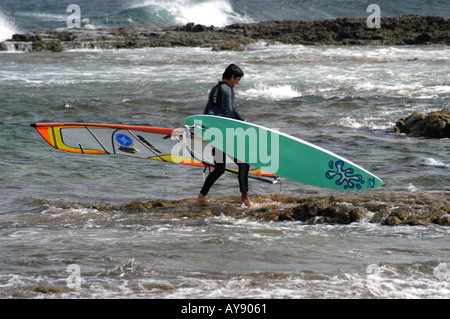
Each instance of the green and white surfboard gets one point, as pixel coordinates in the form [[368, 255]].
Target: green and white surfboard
[[282, 154]]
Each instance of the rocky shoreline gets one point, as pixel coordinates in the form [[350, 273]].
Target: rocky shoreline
[[390, 209], [402, 30]]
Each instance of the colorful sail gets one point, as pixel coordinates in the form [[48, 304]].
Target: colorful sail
[[156, 143]]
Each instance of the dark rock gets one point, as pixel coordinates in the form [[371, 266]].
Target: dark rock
[[379, 216], [433, 125], [324, 210], [52, 46], [192, 27], [444, 220], [308, 211], [26, 37], [409, 124], [396, 217]]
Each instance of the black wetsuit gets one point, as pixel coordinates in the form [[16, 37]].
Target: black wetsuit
[[221, 103]]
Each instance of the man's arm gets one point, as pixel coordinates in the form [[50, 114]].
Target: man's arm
[[227, 103]]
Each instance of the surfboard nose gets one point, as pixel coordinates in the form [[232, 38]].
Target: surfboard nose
[[282, 154]]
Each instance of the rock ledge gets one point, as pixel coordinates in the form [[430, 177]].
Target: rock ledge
[[402, 30], [386, 209]]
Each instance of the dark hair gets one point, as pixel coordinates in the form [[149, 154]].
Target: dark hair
[[231, 70]]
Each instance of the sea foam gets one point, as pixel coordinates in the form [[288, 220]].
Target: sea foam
[[274, 92]]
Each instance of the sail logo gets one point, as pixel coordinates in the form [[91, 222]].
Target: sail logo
[[124, 140]]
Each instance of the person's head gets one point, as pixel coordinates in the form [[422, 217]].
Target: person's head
[[232, 75]]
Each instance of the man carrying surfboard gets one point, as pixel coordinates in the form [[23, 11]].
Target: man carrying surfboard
[[221, 103]]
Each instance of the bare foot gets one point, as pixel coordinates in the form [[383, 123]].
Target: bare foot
[[245, 200], [201, 200]]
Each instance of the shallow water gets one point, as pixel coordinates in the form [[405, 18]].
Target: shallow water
[[134, 256]]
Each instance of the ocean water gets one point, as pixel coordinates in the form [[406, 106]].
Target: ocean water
[[345, 99]]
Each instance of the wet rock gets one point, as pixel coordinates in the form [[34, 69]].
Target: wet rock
[[325, 210], [50, 289], [379, 216], [396, 217], [410, 123], [402, 30], [53, 46], [389, 209], [192, 27], [151, 286], [392, 221], [433, 125], [444, 220]]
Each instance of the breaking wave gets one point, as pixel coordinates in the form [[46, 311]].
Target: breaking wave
[[213, 12], [7, 27]]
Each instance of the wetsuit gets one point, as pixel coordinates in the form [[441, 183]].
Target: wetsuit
[[221, 103]]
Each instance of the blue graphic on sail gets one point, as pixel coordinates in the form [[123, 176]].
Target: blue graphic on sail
[[124, 140]]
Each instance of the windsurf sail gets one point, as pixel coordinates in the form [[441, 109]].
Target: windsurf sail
[[156, 143]]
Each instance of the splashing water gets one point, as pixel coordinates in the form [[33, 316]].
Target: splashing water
[[7, 28]]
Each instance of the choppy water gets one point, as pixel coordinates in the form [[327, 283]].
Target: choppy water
[[345, 99], [124, 256]]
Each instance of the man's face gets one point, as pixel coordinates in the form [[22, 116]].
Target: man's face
[[234, 81]]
